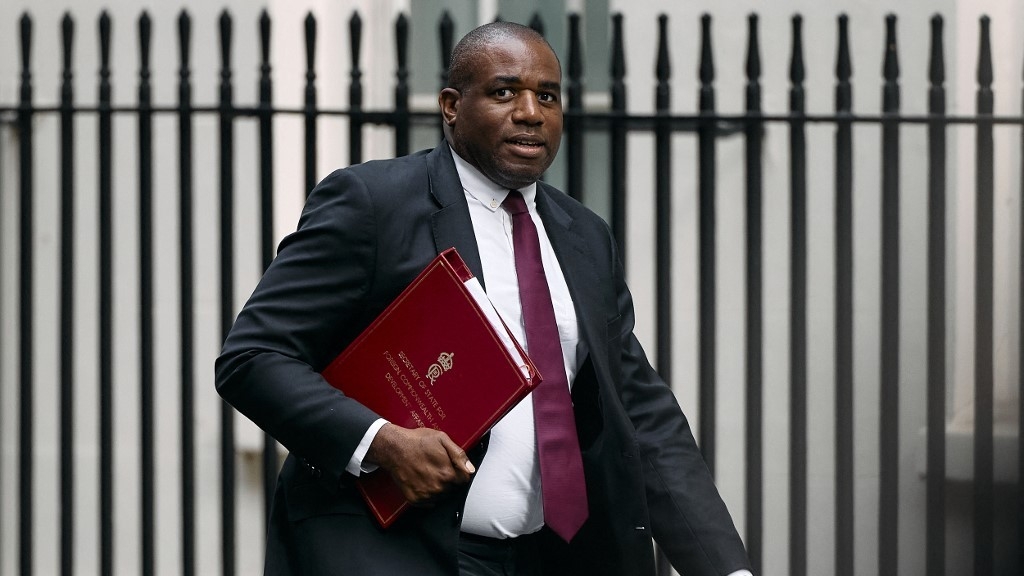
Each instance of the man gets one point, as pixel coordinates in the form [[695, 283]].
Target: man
[[365, 232]]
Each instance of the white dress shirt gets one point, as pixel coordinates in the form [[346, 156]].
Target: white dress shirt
[[505, 497]]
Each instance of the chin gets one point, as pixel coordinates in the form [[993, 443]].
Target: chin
[[509, 178]]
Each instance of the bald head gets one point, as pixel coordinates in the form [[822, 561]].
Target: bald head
[[480, 39]]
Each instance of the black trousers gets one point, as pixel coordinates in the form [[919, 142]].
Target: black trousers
[[483, 556]]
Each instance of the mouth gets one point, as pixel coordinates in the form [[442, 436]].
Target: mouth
[[526, 145]]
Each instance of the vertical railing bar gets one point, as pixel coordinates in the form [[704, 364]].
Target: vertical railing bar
[[106, 311], [227, 287], [186, 271], [935, 516], [984, 492], [755, 354], [889, 430], [25, 284], [402, 118], [707, 266], [663, 203], [147, 444], [574, 124], [798, 311], [617, 161], [67, 304], [844, 558], [663, 222], [355, 93], [446, 32], [266, 119], [310, 102]]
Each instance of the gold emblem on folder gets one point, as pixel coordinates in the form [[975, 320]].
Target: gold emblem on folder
[[443, 364]]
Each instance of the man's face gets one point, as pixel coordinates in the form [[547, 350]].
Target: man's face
[[507, 121]]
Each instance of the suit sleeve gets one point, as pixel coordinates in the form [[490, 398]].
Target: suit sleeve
[[308, 305], [689, 520]]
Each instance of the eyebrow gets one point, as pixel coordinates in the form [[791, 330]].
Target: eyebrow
[[547, 84]]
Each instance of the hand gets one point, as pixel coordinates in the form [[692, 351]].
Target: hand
[[424, 462]]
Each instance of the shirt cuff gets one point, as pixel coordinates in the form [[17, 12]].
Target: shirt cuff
[[355, 465], [741, 573]]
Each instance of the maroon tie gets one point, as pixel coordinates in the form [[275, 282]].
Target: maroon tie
[[561, 466]]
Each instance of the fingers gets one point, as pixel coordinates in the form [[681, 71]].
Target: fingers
[[458, 456], [423, 462]]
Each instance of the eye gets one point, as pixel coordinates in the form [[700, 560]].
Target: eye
[[503, 93], [547, 97]]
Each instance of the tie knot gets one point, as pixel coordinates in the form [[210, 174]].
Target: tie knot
[[515, 203]]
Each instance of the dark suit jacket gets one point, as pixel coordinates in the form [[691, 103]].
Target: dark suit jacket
[[365, 232]]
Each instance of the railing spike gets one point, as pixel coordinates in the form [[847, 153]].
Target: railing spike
[[446, 32], [105, 31], [145, 35], [184, 39], [225, 44], [797, 74], [707, 68], [844, 68], [402, 42], [26, 43], [355, 28], [266, 84], [618, 67], [575, 48], [985, 75], [707, 64], [892, 63], [309, 26], [67, 26], [401, 122], [891, 68], [355, 92], [753, 49], [309, 101], [537, 23], [663, 68], [936, 64], [264, 40]]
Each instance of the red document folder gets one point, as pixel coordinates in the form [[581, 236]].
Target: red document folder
[[432, 358]]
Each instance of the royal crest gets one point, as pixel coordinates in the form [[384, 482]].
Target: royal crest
[[443, 364]]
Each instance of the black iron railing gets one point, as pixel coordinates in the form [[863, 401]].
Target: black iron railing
[[708, 127]]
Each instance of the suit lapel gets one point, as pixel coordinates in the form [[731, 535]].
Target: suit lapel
[[451, 224], [577, 265]]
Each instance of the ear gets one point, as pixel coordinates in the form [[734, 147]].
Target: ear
[[448, 100]]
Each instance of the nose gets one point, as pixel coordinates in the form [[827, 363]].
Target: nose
[[527, 109]]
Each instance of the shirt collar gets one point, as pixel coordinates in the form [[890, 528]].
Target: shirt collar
[[486, 192]]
